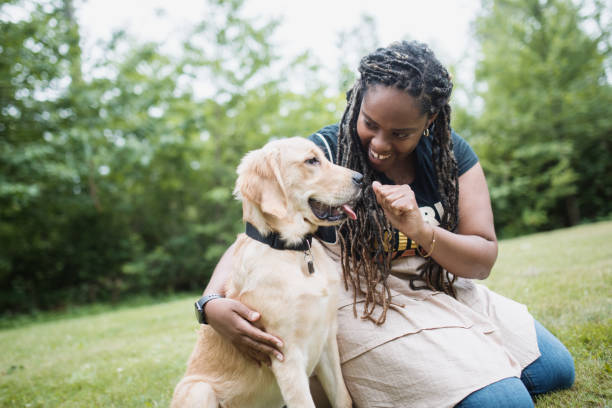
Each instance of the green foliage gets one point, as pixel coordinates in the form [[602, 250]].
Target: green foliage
[[44, 164], [116, 173], [118, 178], [353, 44], [544, 133]]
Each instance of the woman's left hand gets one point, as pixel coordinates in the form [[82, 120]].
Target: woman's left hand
[[401, 209]]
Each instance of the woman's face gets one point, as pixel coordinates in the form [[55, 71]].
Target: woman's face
[[390, 125]]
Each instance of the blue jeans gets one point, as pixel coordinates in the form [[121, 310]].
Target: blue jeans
[[553, 370]]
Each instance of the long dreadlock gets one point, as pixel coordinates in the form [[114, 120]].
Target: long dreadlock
[[366, 262]]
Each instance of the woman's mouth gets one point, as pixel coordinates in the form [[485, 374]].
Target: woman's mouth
[[379, 156]]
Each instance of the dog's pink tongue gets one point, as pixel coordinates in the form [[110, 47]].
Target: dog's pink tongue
[[349, 211]]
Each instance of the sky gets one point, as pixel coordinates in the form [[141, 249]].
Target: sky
[[306, 25]]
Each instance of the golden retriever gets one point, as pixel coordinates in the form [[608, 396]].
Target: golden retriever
[[288, 188]]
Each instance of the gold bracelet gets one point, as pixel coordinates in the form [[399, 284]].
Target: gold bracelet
[[433, 244]]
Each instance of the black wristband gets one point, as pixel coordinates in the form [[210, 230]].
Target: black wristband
[[199, 306]]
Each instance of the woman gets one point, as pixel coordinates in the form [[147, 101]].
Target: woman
[[414, 330]]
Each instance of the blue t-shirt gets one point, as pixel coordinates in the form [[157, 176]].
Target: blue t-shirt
[[425, 184]]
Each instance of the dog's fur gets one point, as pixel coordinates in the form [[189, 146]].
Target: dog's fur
[[275, 184]]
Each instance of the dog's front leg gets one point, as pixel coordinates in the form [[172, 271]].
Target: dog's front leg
[[194, 392], [293, 381], [330, 375]]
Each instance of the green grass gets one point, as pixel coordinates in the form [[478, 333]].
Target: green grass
[[565, 279], [133, 356]]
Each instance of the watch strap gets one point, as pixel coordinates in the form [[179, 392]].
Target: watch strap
[[201, 303]]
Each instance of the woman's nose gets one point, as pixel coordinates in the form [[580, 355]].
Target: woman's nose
[[379, 142]]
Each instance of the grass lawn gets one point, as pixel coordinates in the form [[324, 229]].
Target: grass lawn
[[133, 356]]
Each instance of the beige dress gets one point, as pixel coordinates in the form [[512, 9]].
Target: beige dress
[[435, 350]]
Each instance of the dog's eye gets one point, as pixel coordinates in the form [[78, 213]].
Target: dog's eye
[[313, 161]]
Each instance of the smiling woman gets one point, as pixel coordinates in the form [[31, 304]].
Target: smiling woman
[[423, 230], [390, 126]]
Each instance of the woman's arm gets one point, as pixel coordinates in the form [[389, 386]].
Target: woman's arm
[[220, 275], [471, 251], [235, 321]]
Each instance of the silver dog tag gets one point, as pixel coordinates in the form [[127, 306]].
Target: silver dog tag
[[308, 259]]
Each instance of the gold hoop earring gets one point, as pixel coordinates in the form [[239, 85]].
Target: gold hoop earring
[[426, 132]]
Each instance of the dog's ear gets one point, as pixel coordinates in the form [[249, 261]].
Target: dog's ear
[[260, 181]]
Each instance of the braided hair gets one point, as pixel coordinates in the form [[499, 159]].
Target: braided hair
[[413, 68]]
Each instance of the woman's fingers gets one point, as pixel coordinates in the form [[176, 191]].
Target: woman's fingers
[[236, 322], [395, 198], [253, 328], [260, 343], [262, 349], [260, 340], [242, 310], [387, 191], [400, 207]]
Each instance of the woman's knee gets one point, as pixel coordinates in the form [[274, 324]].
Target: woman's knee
[[507, 393], [553, 370]]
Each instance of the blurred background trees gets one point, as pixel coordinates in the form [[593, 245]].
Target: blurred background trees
[[117, 174], [544, 133], [119, 180]]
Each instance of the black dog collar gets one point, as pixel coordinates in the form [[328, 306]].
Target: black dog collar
[[274, 240]]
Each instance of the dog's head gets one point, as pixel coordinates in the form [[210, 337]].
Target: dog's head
[[289, 187]]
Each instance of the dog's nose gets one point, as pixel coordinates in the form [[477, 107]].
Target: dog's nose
[[357, 178]]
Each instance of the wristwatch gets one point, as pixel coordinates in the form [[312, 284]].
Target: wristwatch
[[199, 306]]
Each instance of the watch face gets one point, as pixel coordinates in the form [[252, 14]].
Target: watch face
[[198, 313]]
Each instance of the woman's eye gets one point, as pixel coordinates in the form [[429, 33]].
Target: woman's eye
[[369, 124], [312, 161]]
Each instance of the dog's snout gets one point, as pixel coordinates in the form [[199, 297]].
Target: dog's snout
[[357, 178]]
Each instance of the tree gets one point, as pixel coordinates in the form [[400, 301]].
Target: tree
[[39, 203], [544, 132], [119, 179], [205, 139], [354, 44]]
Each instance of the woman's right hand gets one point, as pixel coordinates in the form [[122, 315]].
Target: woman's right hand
[[241, 325]]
